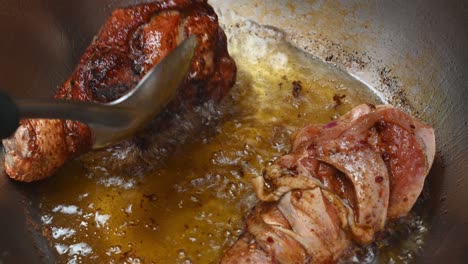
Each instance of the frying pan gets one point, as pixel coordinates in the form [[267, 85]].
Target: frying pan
[[413, 52]]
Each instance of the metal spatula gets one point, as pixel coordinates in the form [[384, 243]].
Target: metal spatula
[[113, 121]]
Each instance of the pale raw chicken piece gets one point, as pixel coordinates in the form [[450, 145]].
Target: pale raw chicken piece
[[339, 184]]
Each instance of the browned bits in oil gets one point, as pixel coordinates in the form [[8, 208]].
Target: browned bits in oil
[[297, 88], [150, 197], [338, 98]]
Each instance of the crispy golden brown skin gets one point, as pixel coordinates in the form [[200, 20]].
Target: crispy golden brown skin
[[338, 185], [131, 42]]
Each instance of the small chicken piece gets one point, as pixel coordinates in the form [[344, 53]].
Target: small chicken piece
[[40, 146], [131, 42], [339, 184]]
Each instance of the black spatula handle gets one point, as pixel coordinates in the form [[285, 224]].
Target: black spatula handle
[[9, 115]]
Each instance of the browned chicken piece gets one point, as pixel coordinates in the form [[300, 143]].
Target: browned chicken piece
[[338, 186], [131, 42]]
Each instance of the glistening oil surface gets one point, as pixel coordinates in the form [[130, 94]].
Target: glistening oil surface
[[190, 207]]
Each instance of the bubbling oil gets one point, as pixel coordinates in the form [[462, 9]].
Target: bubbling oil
[[190, 208]]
